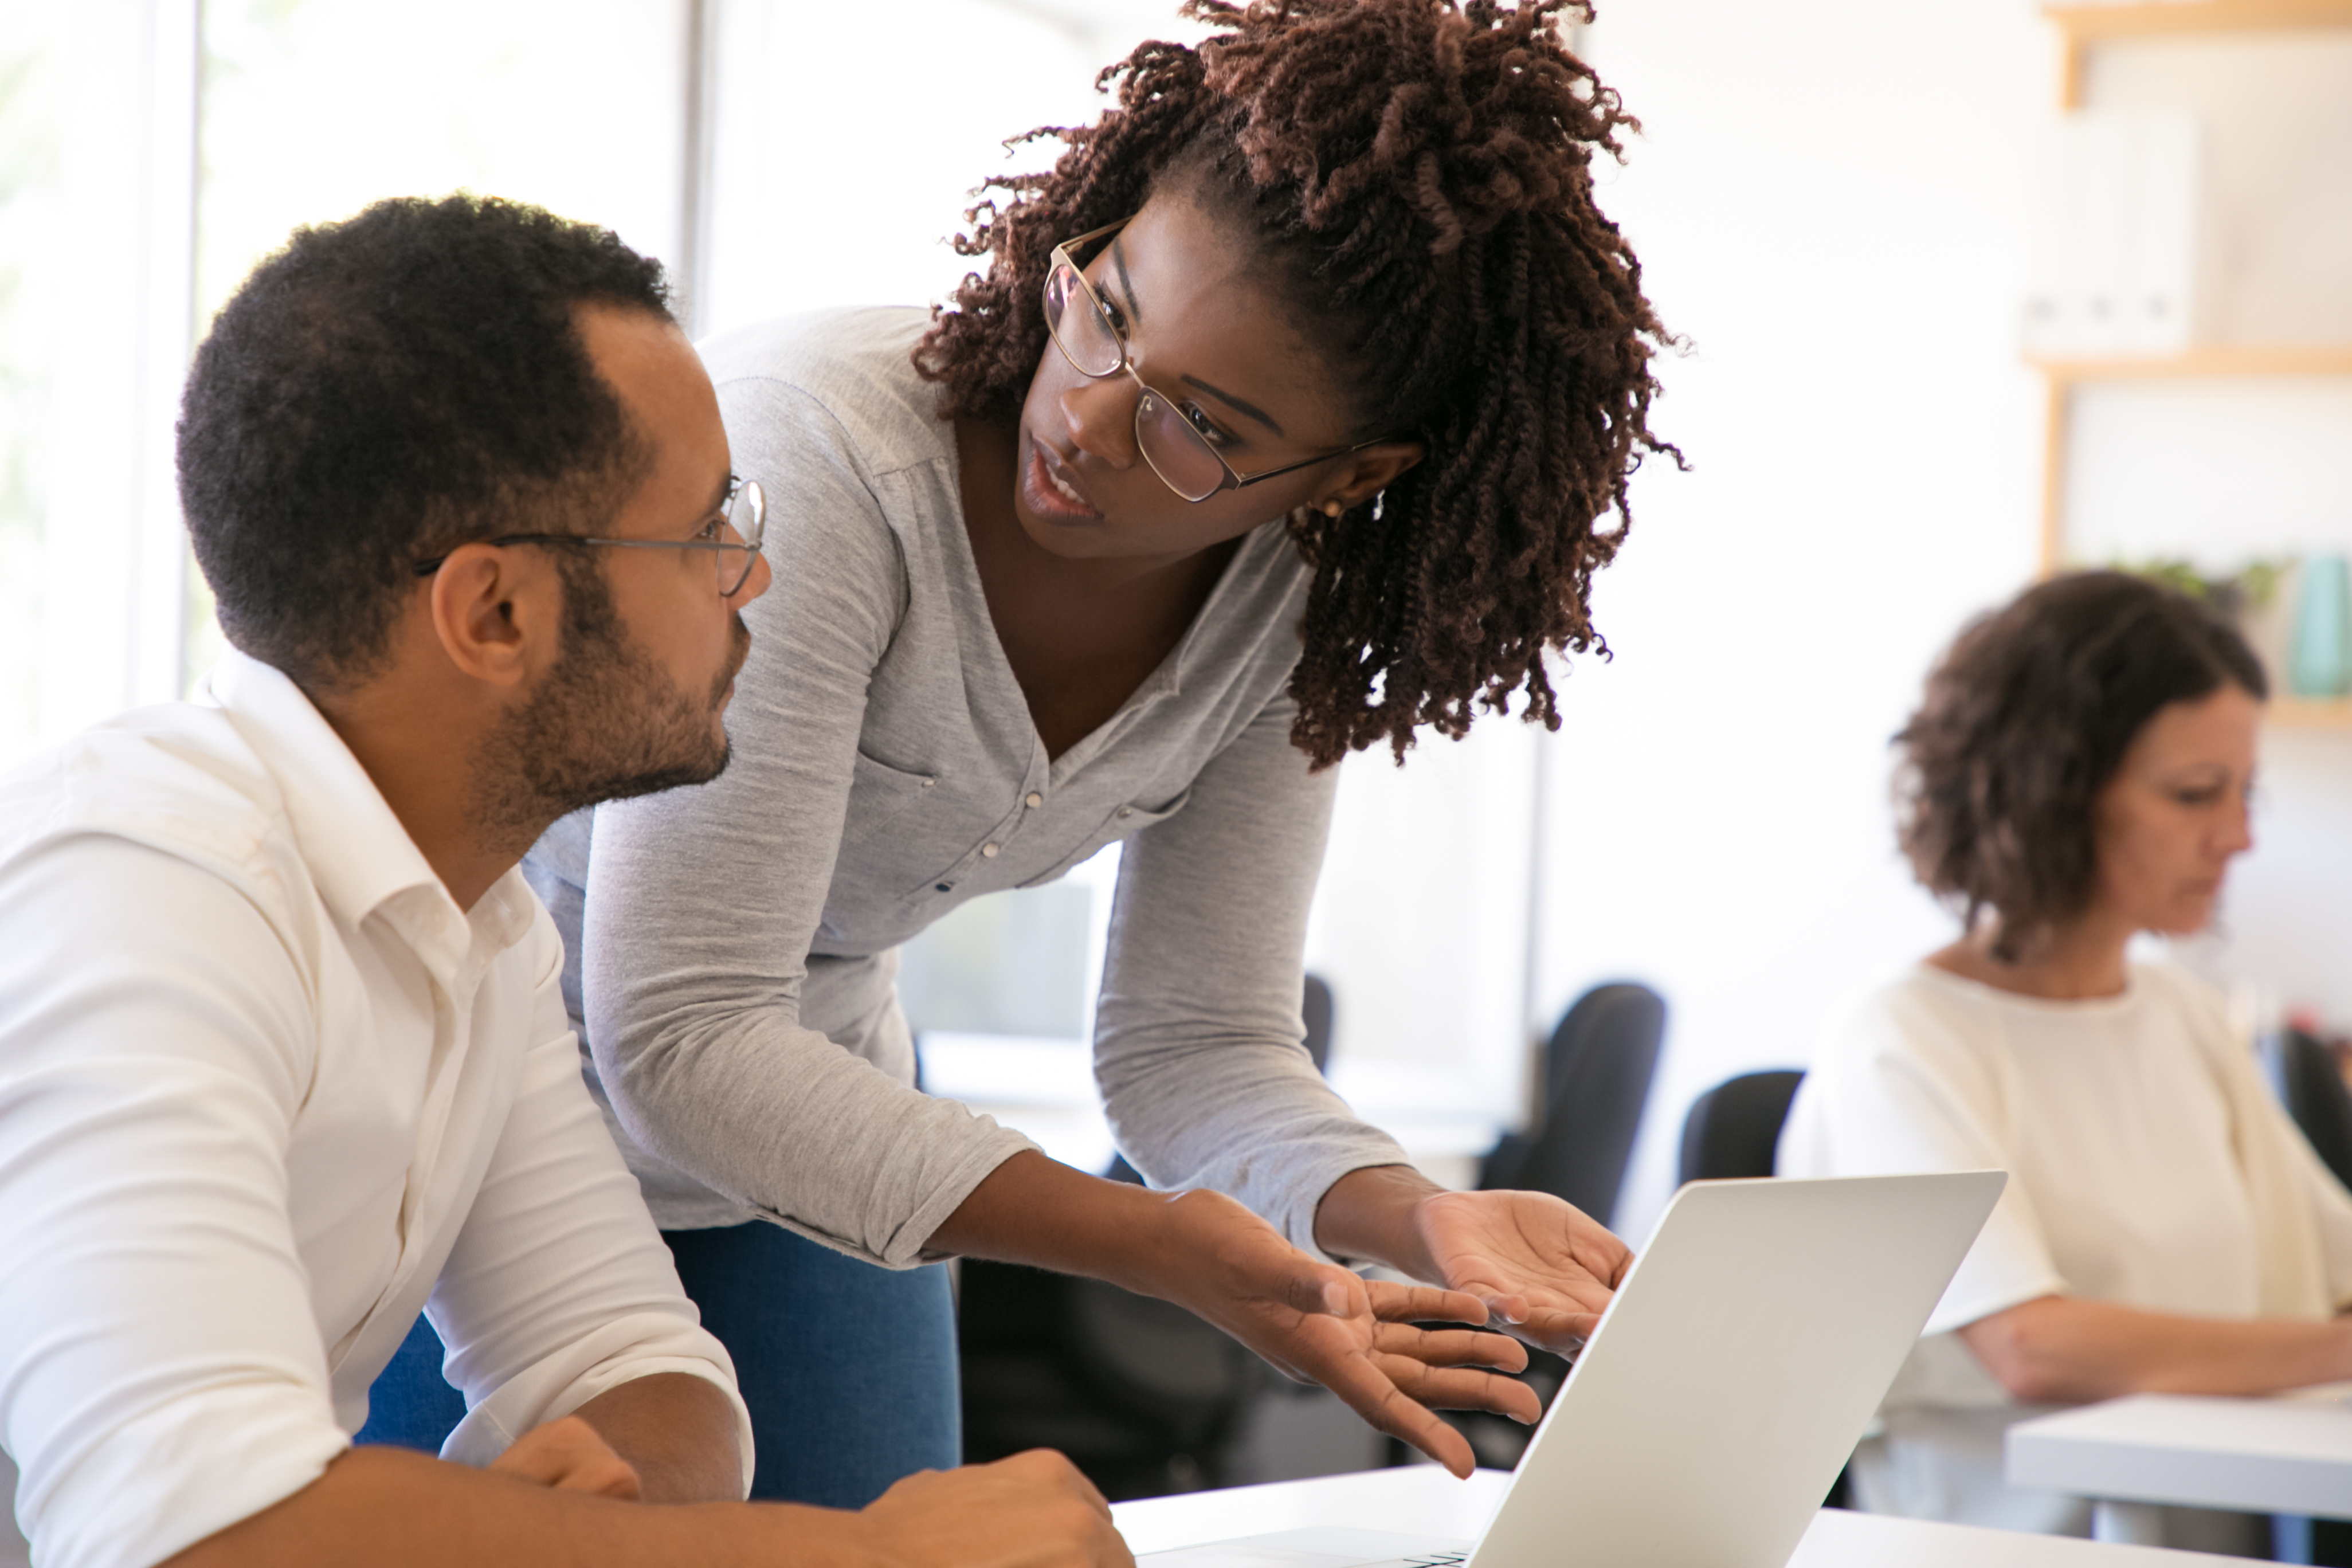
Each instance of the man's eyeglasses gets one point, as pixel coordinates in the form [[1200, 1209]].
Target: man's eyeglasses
[[1178, 450], [732, 537]]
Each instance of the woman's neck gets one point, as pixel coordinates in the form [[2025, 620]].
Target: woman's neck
[[2077, 961]]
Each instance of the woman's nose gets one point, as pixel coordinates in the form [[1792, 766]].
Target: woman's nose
[[2238, 829], [1101, 418]]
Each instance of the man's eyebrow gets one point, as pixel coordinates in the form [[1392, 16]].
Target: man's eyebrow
[[1235, 403], [718, 499]]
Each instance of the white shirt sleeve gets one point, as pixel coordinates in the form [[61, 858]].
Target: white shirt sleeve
[[558, 1286], [1897, 1089], [160, 1371]]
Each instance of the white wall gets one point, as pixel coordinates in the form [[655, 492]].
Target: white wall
[[2227, 471], [1829, 201], [849, 138], [1829, 204]]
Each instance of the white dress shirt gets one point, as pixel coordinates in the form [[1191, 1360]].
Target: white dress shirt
[[263, 1087]]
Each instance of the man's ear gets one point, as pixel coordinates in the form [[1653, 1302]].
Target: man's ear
[[1375, 468], [496, 613]]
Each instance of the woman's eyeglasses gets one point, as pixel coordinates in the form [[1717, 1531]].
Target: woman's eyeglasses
[[1178, 450], [732, 538]]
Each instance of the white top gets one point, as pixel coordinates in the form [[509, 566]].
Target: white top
[[2117, 1120], [261, 1084], [2150, 1166]]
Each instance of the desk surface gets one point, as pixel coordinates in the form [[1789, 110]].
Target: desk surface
[[1422, 1500], [2290, 1454]]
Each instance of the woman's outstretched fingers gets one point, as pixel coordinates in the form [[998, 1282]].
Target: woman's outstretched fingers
[[1546, 1268], [1559, 1330], [1464, 1388], [1371, 1394], [1450, 1347], [1396, 1303]]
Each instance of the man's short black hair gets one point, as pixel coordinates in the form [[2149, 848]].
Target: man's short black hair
[[386, 388]]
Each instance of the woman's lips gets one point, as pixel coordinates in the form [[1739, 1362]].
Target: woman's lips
[[1051, 492]]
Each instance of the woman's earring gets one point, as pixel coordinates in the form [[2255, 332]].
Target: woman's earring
[[1332, 509]]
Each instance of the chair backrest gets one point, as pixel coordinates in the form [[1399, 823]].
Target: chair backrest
[[1316, 1007], [1597, 1071], [1611, 1035], [2313, 1087], [1732, 1128]]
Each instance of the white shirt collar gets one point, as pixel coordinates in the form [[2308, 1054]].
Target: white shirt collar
[[359, 856]]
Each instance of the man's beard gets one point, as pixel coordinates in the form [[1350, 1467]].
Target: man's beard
[[606, 723]]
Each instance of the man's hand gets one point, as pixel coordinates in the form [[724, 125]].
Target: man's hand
[[567, 1456], [1318, 1322], [390, 1507], [1543, 1268], [1032, 1510]]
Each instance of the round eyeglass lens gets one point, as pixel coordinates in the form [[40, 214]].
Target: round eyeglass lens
[[747, 519], [1176, 452], [1077, 324]]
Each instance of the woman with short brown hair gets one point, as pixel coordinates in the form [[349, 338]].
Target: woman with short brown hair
[[2079, 774]]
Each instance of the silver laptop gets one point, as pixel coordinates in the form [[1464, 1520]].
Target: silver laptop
[[1728, 1383]]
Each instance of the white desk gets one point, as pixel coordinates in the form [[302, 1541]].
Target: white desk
[[1423, 1499], [2289, 1454]]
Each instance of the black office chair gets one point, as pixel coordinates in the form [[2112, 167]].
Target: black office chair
[[1316, 1008], [1143, 1397], [1597, 1070], [1731, 1131], [1732, 1128], [1594, 1083], [2313, 1087]]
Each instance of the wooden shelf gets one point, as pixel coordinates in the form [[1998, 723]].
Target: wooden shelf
[[2085, 26], [2212, 359], [2063, 375], [2311, 712], [2084, 23]]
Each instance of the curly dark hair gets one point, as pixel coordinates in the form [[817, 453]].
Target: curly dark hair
[[2026, 719], [385, 388], [1416, 176]]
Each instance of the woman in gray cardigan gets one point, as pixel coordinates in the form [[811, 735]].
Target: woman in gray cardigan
[[1279, 425]]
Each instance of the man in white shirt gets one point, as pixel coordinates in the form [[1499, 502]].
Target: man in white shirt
[[282, 1049]]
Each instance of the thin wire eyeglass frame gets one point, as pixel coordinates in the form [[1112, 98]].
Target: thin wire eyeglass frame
[[748, 491], [1065, 263]]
